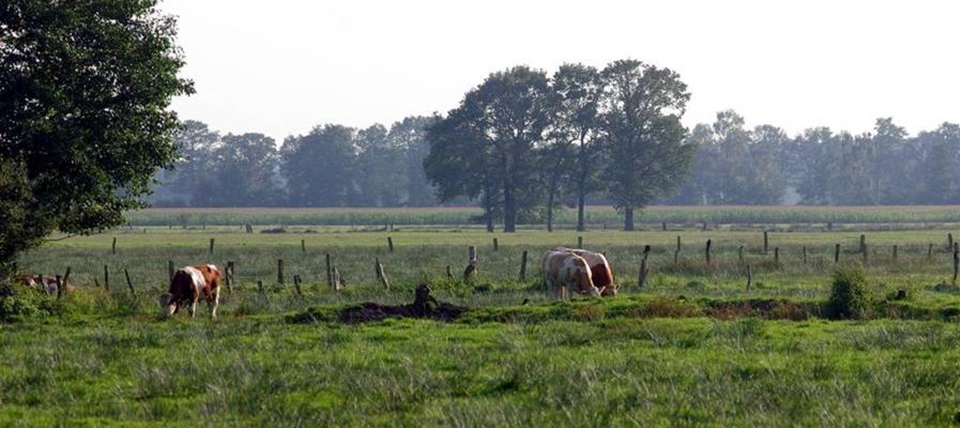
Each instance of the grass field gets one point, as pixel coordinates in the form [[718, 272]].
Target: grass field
[[685, 350]]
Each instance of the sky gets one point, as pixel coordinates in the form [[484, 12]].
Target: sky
[[281, 67]]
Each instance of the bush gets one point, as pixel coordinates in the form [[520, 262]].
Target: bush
[[849, 298], [19, 302]]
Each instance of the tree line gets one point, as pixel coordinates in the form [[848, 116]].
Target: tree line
[[523, 144]]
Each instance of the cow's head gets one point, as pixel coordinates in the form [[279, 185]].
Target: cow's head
[[583, 277], [167, 304]]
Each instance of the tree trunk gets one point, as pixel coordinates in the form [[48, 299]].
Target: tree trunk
[[509, 210], [550, 211], [488, 210], [628, 219], [580, 199]]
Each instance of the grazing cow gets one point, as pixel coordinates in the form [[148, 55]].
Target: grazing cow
[[602, 273], [47, 284], [563, 271], [187, 285]]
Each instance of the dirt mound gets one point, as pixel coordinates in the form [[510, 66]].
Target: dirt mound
[[423, 306]]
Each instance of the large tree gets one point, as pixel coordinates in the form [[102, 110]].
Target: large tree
[[578, 90], [503, 120], [641, 109], [84, 120], [320, 167]]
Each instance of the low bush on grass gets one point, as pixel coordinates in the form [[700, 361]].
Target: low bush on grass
[[849, 296]]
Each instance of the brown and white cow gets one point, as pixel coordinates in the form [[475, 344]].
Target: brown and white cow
[[563, 271], [186, 287], [45, 283], [602, 273]]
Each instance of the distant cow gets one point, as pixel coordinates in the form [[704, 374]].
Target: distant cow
[[602, 273], [563, 271], [47, 284], [186, 287]]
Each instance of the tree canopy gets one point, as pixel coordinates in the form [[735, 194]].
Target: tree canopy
[[84, 122]]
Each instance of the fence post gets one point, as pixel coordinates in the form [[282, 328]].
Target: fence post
[[390, 243], [956, 264], [106, 278], [804, 255], [263, 293], [113, 248], [523, 266], [749, 277], [709, 244], [894, 253], [230, 276], [644, 269], [496, 245], [836, 254], [303, 245], [580, 242], [170, 271], [129, 283], [280, 271], [678, 243], [776, 256], [211, 245], [449, 273], [664, 224], [60, 284], [381, 275], [740, 255], [766, 242], [930, 252], [949, 241], [296, 284], [329, 272]]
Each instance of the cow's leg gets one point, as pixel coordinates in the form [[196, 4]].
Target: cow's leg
[[213, 301], [193, 308]]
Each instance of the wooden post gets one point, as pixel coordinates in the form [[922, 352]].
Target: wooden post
[[129, 283], [678, 243], [231, 279], [496, 245], [279, 271], [644, 269], [449, 273], [381, 275], [66, 277], [263, 292], [96, 283], [390, 243], [704, 226], [579, 242], [336, 279], [211, 245], [709, 244], [766, 242], [930, 252], [329, 272], [894, 253], [303, 245], [676, 258], [776, 255], [471, 254], [836, 254], [106, 278], [664, 224], [170, 270], [523, 266], [956, 265], [749, 277], [804, 254], [60, 285], [740, 255], [296, 285], [113, 248], [949, 241]]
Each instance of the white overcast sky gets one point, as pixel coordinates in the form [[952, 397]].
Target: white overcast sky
[[280, 67]]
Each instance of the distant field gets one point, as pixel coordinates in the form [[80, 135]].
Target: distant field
[[596, 216]]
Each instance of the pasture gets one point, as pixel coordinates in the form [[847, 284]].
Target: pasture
[[687, 349]]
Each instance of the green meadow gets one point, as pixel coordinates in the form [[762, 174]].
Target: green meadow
[[693, 347]]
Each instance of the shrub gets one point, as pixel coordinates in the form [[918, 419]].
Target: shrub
[[19, 302], [849, 298]]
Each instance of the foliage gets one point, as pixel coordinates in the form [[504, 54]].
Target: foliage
[[84, 125], [849, 296]]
